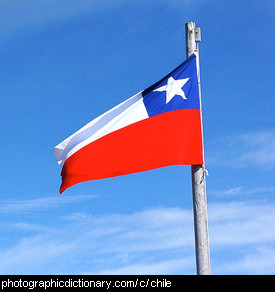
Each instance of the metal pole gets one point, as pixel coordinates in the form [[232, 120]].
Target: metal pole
[[198, 174]]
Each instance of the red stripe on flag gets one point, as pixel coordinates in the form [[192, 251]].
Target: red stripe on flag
[[172, 138]]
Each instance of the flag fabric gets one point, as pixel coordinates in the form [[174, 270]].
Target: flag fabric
[[157, 127]]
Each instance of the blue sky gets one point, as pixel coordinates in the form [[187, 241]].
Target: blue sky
[[63, 63]]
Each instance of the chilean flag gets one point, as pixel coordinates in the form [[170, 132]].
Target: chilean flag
[[157, 127]]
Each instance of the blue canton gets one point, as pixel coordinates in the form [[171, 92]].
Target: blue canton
[[155, 96]]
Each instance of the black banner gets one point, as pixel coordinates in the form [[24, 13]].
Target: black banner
[[108, 283]]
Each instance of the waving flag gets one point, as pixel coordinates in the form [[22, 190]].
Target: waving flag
[[157, 127]]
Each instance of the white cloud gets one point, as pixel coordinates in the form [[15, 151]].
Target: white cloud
[[40, 203], [241, 223], [25, 226], [154, 241], [158, 268], [243, 150], [17, 16], [260, 261], [260, 148], [95, 239], [241, 191]]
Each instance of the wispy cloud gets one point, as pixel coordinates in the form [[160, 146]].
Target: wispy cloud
[[40, 203], [26, 226], [154, 241], [37, 15], [158, 268], [93, 241], [247, 149], [241, 223], [18, 16], [260, 148], [260, 261], [242, 192]]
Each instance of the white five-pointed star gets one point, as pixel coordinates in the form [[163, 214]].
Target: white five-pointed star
[[173, 87]]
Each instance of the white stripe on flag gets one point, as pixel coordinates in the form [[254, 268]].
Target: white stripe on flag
[[128, 112]]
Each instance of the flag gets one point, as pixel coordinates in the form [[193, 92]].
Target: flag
[[157, 127]]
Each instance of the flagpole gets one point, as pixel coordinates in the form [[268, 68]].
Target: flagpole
[[198, 172]]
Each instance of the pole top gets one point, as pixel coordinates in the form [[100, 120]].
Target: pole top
[[197, 34], [193, 31], [193, 37]]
